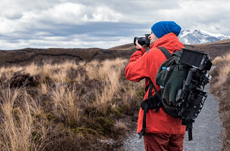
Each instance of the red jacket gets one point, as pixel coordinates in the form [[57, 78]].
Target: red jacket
[[144, 64]]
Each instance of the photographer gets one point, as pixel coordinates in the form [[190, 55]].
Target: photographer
[[163, 132]]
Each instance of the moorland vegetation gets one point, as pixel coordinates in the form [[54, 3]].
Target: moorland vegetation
[[82, 106], [67, 106], [220, 87]]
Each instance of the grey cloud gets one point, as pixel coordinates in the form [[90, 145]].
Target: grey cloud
[[137, 16], [93, 30], [90, 32], [13, 15]]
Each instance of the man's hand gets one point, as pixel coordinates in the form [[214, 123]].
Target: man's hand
[[138, 46]]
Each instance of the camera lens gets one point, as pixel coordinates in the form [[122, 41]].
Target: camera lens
[[142, 40]]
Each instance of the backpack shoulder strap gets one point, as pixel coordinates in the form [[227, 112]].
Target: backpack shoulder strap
[[167, 55], [145, 105], [165, 52]]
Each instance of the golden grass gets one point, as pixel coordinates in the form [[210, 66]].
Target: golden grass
[[44, 88], [18, 123], [227, 57], [221, 80], [219, 59], [46, 71], [60, 76], [120, 125], [223, 67], [219, 86], [95, 70], [33, 69], [92, 69], [67, 101], [80, 78], [68, 64], [9, 72]]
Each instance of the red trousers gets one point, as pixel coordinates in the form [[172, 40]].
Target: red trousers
[[163, 142]]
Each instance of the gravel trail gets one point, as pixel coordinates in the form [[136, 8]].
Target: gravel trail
[[206, 130]]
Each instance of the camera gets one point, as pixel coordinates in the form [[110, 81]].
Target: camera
[[143, 41]]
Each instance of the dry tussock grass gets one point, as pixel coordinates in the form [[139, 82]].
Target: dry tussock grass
[[18, 129], [66, 106], [220, 87]]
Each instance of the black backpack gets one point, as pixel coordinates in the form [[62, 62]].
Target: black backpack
[[182, 78]]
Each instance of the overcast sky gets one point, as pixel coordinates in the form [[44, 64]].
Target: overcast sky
[[101, 23]]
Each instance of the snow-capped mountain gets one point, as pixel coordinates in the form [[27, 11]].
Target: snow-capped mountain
[[199, 37]]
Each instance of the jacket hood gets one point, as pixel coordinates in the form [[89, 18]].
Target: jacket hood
[[169, 41]]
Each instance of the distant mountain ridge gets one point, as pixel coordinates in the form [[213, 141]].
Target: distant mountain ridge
[[192, 37]]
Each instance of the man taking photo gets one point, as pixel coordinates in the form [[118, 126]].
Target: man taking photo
[[163, 132]]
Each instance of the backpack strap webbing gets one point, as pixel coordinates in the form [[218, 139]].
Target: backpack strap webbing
[[152, 102], [167, 55], [165, 52]]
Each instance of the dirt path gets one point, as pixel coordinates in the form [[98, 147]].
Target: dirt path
[[206, 130]]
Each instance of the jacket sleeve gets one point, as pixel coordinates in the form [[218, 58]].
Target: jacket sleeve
[[137, 67]]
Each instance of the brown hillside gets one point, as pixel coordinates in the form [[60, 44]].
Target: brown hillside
[[218, 48], [56, 55]]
